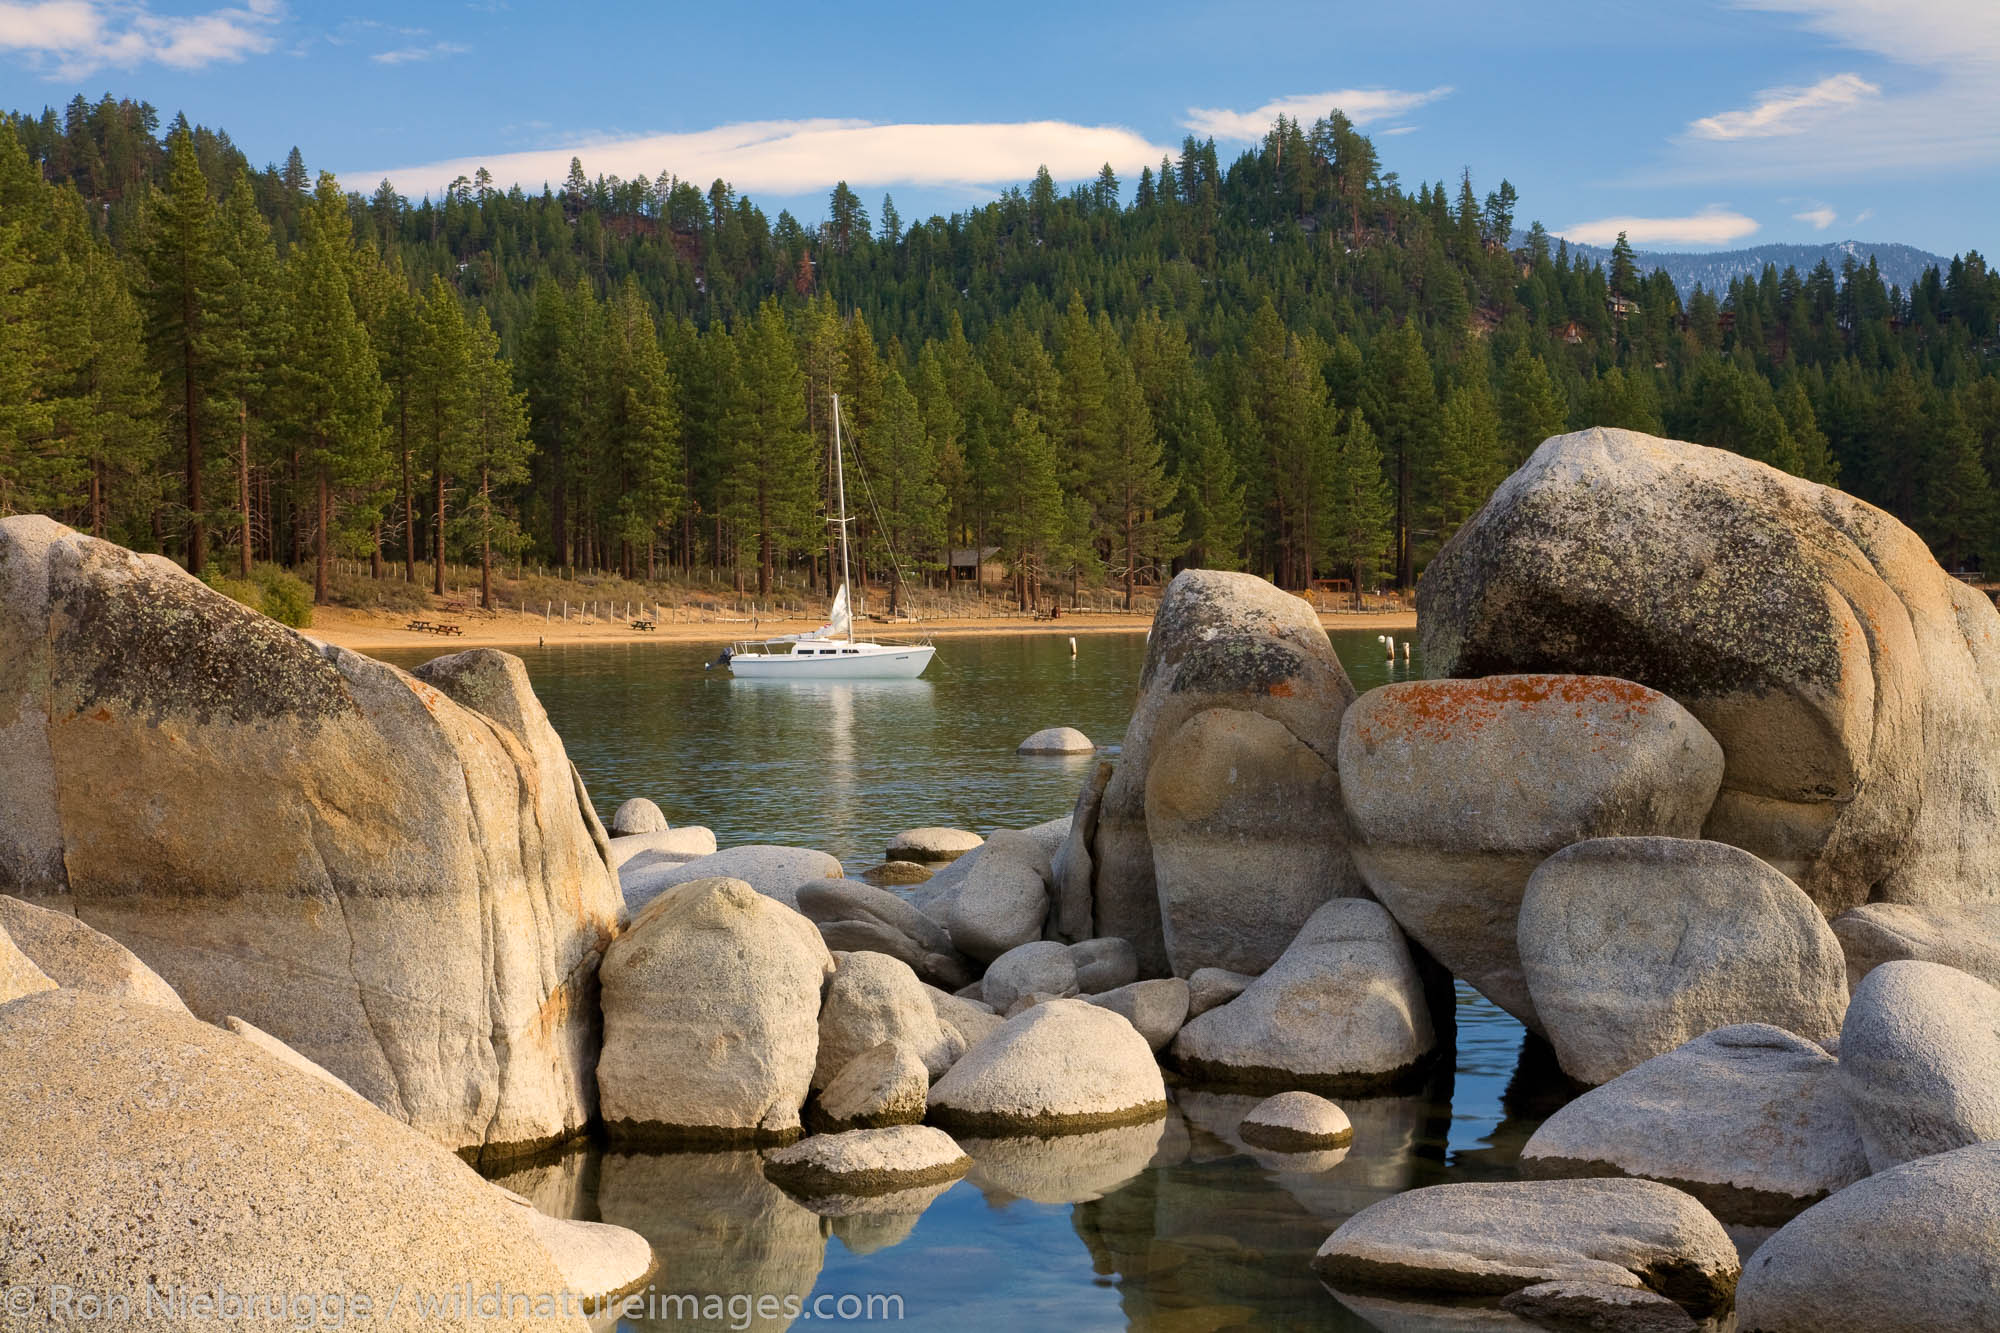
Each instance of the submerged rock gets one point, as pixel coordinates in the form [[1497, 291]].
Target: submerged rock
[[1920, 1061], [868, 1161], [1588, 1306], [1488, 1239], [272, 1171], [637, 815], [1853, 685], [1057, 740], [931, 845], [711, 1004], [1342, 1011], [1296, 1122], [1058, 1068], [1749, 1119], [1915, 1247], [891, 874], [397, 874], [1233, 642], [1634, 946], [1459, 789]]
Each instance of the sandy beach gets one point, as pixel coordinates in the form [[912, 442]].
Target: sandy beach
[[372, 630]]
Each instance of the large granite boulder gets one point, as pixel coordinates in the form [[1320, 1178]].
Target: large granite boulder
[[1342, 1011], [1967, 938], [1058, 1068], [1458, 789], [1222, 641], [1916, 1247], [399, 875], [1157, 1007], [75, 956], [146, 1148], [1039, 967], [1488, 1239], [873, 998], [711, 1004], [777, 872], [1634, 946], [1749, 1119], [868, 1161], [1920, 1061], [884, 1085], [1853, 685], [856, 916], [678, 844]]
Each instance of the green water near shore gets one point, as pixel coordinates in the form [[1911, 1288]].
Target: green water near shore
[[1175, 1226]]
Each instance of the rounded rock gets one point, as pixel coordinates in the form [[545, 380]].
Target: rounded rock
[[1296, 1122], [1057, 740], [637, 815], [868, 1161], [1061, 1067], [1039, 966], [931, 844], [884, 1085], [1920, 1061], [874, 998]]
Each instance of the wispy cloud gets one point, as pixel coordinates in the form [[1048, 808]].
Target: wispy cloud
[[70, 39], [404, 55], [1786, 110], [1400, 129], [793, 157], [1821, 218], [1711, 226], [1361, 106], [796, 156]]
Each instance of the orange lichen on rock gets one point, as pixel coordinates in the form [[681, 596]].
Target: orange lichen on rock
[[1437, 710]]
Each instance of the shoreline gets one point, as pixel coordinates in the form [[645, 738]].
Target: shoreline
[[367, 631]]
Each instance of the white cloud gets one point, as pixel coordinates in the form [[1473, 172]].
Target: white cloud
[[1711, 226], [1786, 110], [1910, 32], [407, 54], [74, 38], [1821, 217], [797, 156], [1400, 129], [1361, 105]]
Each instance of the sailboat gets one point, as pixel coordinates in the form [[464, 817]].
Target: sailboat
[[830, 652]]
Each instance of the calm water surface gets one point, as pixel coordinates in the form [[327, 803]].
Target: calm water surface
[[1173, 1226]]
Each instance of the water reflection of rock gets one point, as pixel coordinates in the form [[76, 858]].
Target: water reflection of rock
[[564, 1186], [1394, 1315], [717, 1227], [1069, 1168], [1330, 1186]]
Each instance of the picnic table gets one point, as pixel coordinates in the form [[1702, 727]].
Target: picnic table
[[645, 624], [434, 627]]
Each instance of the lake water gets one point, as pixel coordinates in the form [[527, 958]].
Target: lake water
[[1174, 1226]]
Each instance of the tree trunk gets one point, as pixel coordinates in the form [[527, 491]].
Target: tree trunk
[[485, 538], [97, 498], [197, 547], [409, 500], [1128, 554], [243, 479], [325, 521], [437, 525]]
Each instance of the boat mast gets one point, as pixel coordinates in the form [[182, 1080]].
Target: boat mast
[[840, 490]]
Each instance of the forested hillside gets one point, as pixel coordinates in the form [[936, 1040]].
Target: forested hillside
[[1294, 364]]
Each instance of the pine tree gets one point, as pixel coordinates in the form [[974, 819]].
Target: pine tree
[[497, 445], [244, 339], [768, 486], [177, 258], [645, 431], [902, 482], [1401, 404], [1530, 408], [1029, 510], [332, 393], [1360, 512], [1135, 479], [1469, 464], [441, 405]]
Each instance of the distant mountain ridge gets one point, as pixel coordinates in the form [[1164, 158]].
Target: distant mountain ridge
[[1901, 265]]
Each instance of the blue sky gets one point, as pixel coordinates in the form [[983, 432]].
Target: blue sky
[[1689, 123]]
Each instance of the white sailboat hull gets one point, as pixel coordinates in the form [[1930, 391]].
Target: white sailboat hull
[[866, 661]]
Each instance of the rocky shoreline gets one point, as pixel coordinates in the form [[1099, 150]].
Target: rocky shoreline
[[1705, 799]]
